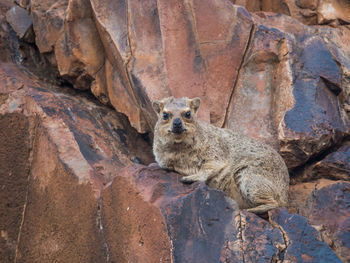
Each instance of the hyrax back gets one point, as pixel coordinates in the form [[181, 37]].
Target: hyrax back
[[249, 171]]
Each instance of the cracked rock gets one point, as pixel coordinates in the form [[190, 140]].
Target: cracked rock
[[327, 209], [303, 242]]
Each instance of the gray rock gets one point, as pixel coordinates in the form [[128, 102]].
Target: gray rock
[[19, 20]]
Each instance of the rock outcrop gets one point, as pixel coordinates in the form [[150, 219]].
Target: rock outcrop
[[129, 53], [77, 78], [197, 224]]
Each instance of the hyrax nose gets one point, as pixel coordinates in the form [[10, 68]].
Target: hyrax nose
[[177, 123]]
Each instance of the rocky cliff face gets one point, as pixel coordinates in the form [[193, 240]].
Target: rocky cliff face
[[77, 78]]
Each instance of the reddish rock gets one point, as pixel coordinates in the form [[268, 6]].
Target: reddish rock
[[335, 165], [150, 65], [199, 224], [79, 52], [304, 11], [99, 85], [336, 40], [14, 171], [71, 147], [112, 23], [267, 70], [58, 152], [248, 71], [333, 12], [121, 99], [266, 75], [261, 241], [303, 242], [327, 209], [299, 192], [48, 21], [310, 118], [208, 66], [185, 223]]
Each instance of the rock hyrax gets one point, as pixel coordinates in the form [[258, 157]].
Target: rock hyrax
[[249, 171]]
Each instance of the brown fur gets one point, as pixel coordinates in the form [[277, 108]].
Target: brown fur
[[249, 171]]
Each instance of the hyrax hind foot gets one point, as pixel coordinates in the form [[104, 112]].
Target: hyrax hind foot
[[260, 209], [258, 191]]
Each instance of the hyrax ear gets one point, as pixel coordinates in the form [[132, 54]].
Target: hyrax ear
[[194, 103], [158, 106]]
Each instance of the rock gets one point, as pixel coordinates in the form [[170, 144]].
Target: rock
[[144, 61], [304, 11], [99, 85], [308, 12], [111, 21], [58, 151], [198, 223], [79, 52], [20, 22], [329, 11], [69, 188], [14, 169], [336, 40], [261, 242], [266, 69], [307, 118], [327, 209], [265, 73], [48, 21], [327, 73], [240, 61], [303, 241], [300, 191], [211, 60], [101, 139], [335, 165], [8, 38], [122, 100], [175, 219], [70, 149]]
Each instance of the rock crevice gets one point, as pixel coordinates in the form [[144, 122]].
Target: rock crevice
[[248, 46]]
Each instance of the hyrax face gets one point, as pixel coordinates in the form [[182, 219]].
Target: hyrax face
[[176, 117]]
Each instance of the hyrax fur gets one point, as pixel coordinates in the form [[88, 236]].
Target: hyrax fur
[[249, 171]]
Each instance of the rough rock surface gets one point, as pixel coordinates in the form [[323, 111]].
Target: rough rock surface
[[303, 241], [58, 151], [335, 165], [265, 75], [20, 21], [327, 210], [191, 223], [69, 192], [310, 12]]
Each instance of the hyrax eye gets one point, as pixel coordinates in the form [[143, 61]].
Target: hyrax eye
[[188, 114], [165, 115]]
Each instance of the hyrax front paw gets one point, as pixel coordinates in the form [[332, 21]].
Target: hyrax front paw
[[187, 180], [193, 178]]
